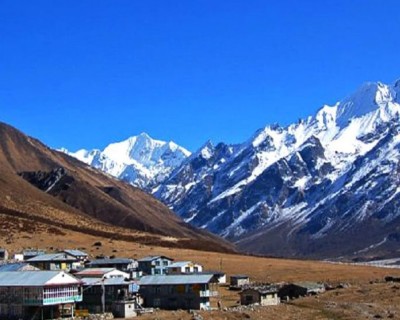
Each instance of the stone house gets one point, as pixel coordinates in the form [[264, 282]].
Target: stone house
[[300, 289], [265, 296], [238, 281]]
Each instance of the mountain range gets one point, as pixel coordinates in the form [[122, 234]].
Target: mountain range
[[324, 187]]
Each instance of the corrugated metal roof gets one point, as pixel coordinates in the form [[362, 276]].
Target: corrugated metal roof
[[13, 266], [176, 279], [107, 282], [94, 271], [261, 289], [111, 261], [28, 278], [310, 285], [151, 258], [52, 257], [76, 253]]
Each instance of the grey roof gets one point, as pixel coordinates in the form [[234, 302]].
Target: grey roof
[[111, 261], [31, 252], [239, 276], [52, 257], [107, 282], [176, 279], [151, 258], [261, 289], [3, 250], [215, 273], [28, 278], [310, 285], [13, 266], [76, 253]]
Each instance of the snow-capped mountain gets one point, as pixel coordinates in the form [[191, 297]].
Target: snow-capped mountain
[[325, 186], [138, 160]]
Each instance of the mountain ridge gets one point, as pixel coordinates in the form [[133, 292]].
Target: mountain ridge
[[276, 179], [47, 186]]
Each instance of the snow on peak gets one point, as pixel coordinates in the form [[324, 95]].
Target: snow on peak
[[206, 151], [368, 98], [139, 160]]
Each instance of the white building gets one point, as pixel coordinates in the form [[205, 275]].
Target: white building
[[38, 294], [102, 273], [184, 267]]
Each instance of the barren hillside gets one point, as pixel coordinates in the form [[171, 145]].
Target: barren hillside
[[50, 188]]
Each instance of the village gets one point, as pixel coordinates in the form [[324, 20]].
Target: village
[[69, 284]]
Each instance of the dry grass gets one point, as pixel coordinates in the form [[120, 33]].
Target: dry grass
[[368, 297]]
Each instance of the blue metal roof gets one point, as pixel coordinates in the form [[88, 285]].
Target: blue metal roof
[[151, 258], [76, 253], [13, 266], [111, 261], [52, 257], [30, 278], [176, 279]]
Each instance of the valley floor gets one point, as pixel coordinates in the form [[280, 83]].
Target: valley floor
[[367, 296]]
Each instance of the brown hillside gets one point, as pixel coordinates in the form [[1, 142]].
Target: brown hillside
[[47, 186]]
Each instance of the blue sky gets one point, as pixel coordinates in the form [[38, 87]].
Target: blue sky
[[87, 73]]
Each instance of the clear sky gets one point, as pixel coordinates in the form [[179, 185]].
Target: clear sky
[[82, 74]]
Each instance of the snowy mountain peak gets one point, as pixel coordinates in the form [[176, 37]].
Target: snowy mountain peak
[[315, 181], [207, 150], [368, 98], [144, 135], [139, 160]]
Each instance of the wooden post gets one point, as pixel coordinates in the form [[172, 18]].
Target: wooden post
[[103, 296]]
